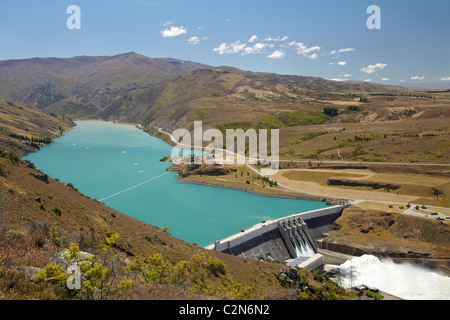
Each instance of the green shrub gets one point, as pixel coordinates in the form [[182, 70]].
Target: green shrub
[[54, 235], [215, 267], [331, 111], [375, 295], [354, 108]]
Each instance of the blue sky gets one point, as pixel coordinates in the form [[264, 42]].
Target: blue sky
[[324, 38]]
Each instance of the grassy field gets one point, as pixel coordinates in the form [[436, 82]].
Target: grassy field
[[430, 188]]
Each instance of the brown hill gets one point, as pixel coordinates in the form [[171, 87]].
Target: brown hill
[[171, 93], [225, 96], [87, 82], [25, 129]]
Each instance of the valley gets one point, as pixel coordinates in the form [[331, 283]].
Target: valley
[[385, 148]]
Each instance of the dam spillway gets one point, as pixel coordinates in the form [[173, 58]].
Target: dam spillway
[[291, 239]]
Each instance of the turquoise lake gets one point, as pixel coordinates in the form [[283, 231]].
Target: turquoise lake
[[112, 161]]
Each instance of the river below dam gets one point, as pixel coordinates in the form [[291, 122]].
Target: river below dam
[[119, 165], [404, 280]]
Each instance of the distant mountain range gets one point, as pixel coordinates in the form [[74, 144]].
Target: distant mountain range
[[165, 92], [442, 85]]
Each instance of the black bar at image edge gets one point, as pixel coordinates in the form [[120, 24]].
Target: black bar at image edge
[[199, 309]]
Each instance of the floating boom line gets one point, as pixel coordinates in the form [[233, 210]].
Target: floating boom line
[[138, 185]]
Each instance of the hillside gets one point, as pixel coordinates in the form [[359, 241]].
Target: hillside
[[81, 86], [25, 129], [367, 122], [217, 95], [170, 93]]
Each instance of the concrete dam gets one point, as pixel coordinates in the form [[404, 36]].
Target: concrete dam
[[291, 239]]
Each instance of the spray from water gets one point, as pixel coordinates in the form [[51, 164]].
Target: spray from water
[[404, 280]]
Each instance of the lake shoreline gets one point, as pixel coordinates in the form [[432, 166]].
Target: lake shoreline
[[266, 194], [105, 161]]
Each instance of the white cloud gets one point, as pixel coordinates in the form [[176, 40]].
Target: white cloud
[[253, 38], [195, 40], [167, 23], [276, 39], [342, 63], [337, 79], [221, 49], [367, 80], [417, 78], [256, 48], [173, 32], [347, 75], [234, 47], [302, 49], [279, 54], [241, 47], [371, 68], [445, 79], [342, 50], [385, 79]]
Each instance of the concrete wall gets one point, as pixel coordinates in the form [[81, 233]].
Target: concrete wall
[[321, 221], [247, 235], [315, 262], [318, 221]]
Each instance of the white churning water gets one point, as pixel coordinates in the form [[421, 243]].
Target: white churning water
[[404, 280]]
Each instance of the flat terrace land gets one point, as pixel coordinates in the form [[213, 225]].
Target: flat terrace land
[[382, 184]]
